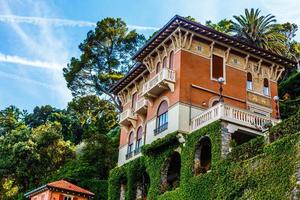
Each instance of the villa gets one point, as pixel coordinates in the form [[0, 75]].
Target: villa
[[188, 76]]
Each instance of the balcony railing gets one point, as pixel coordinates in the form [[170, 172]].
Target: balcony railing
[[165, 79], [129, 155], [161, 128], [231, 114], [127, 117], [141, 106]]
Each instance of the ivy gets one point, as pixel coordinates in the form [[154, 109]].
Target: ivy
[[286, 127], [254, 170]]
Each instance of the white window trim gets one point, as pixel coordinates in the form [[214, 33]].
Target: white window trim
[[224, 67], [68, 196]]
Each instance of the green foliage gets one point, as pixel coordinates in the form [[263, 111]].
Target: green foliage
[[259, 30], [290, 86], [253, 170], [247, 150], [223, 26], [27, 156], [286, 127], [106, 57], [39, 147], [128, 174]]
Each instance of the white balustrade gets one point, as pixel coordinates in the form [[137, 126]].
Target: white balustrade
[[164, 75], [140, 104], [231, 114], [126, 114]]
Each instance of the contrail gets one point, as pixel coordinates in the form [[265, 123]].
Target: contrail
[[33, 63], [58, 22]]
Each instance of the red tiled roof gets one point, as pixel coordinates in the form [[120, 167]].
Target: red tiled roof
[[65, 185]]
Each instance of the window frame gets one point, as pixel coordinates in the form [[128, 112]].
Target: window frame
[[68, 196], [139, 141], [266, 88], [248, 82], [162, 120], [130, 145], [211, 67]]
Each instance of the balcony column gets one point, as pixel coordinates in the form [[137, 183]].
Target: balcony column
[[226, 131]]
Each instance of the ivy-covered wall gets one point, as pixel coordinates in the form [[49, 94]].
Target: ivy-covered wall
[[255, 169]]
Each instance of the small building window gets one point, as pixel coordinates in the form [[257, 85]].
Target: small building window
[[158, 68], [130, 145], [162, 118], [171, 60], [68, 198], [217, 67], [139, 140], [266, 90], [249, 81], [164, 62]]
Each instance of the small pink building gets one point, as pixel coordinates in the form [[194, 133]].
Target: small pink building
[[59, 190]]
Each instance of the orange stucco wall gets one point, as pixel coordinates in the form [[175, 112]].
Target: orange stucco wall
[[196, 70], [49, 195], [192, 69]]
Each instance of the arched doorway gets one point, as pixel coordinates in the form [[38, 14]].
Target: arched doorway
[[202, 160], [143, 186], [171, 172]]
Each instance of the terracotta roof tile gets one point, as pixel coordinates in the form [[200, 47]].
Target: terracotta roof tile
[[62, 184]]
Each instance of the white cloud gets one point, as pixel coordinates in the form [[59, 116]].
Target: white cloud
[[59, 22], [27, 80], [50, 48], [28, 62]]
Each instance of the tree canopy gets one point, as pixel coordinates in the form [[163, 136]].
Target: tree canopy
[[105, 58]]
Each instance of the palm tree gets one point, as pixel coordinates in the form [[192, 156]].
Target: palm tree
[[259, 30]]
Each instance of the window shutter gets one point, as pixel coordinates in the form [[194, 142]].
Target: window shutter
[[61, 197]]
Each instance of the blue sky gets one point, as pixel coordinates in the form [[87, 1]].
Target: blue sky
[[38, 37]]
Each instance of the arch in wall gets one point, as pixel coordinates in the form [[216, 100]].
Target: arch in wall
[[143, 186], [170, 175], [203, 155], [171, 60], [213, 101], [164, 65]]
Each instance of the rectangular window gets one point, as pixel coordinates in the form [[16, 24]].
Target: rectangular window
[[249, 85], [217, 67]]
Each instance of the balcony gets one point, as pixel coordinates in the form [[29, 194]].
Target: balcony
[[164, 80], [127, 118], [141, 106], [231, 114]]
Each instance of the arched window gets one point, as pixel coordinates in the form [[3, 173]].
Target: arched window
[[158, 67], [249, 81], [139, 140], [202, 160], [170, 174], [164, 62], [171, 60], [266, 87], [130, 145], [162, 118]]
